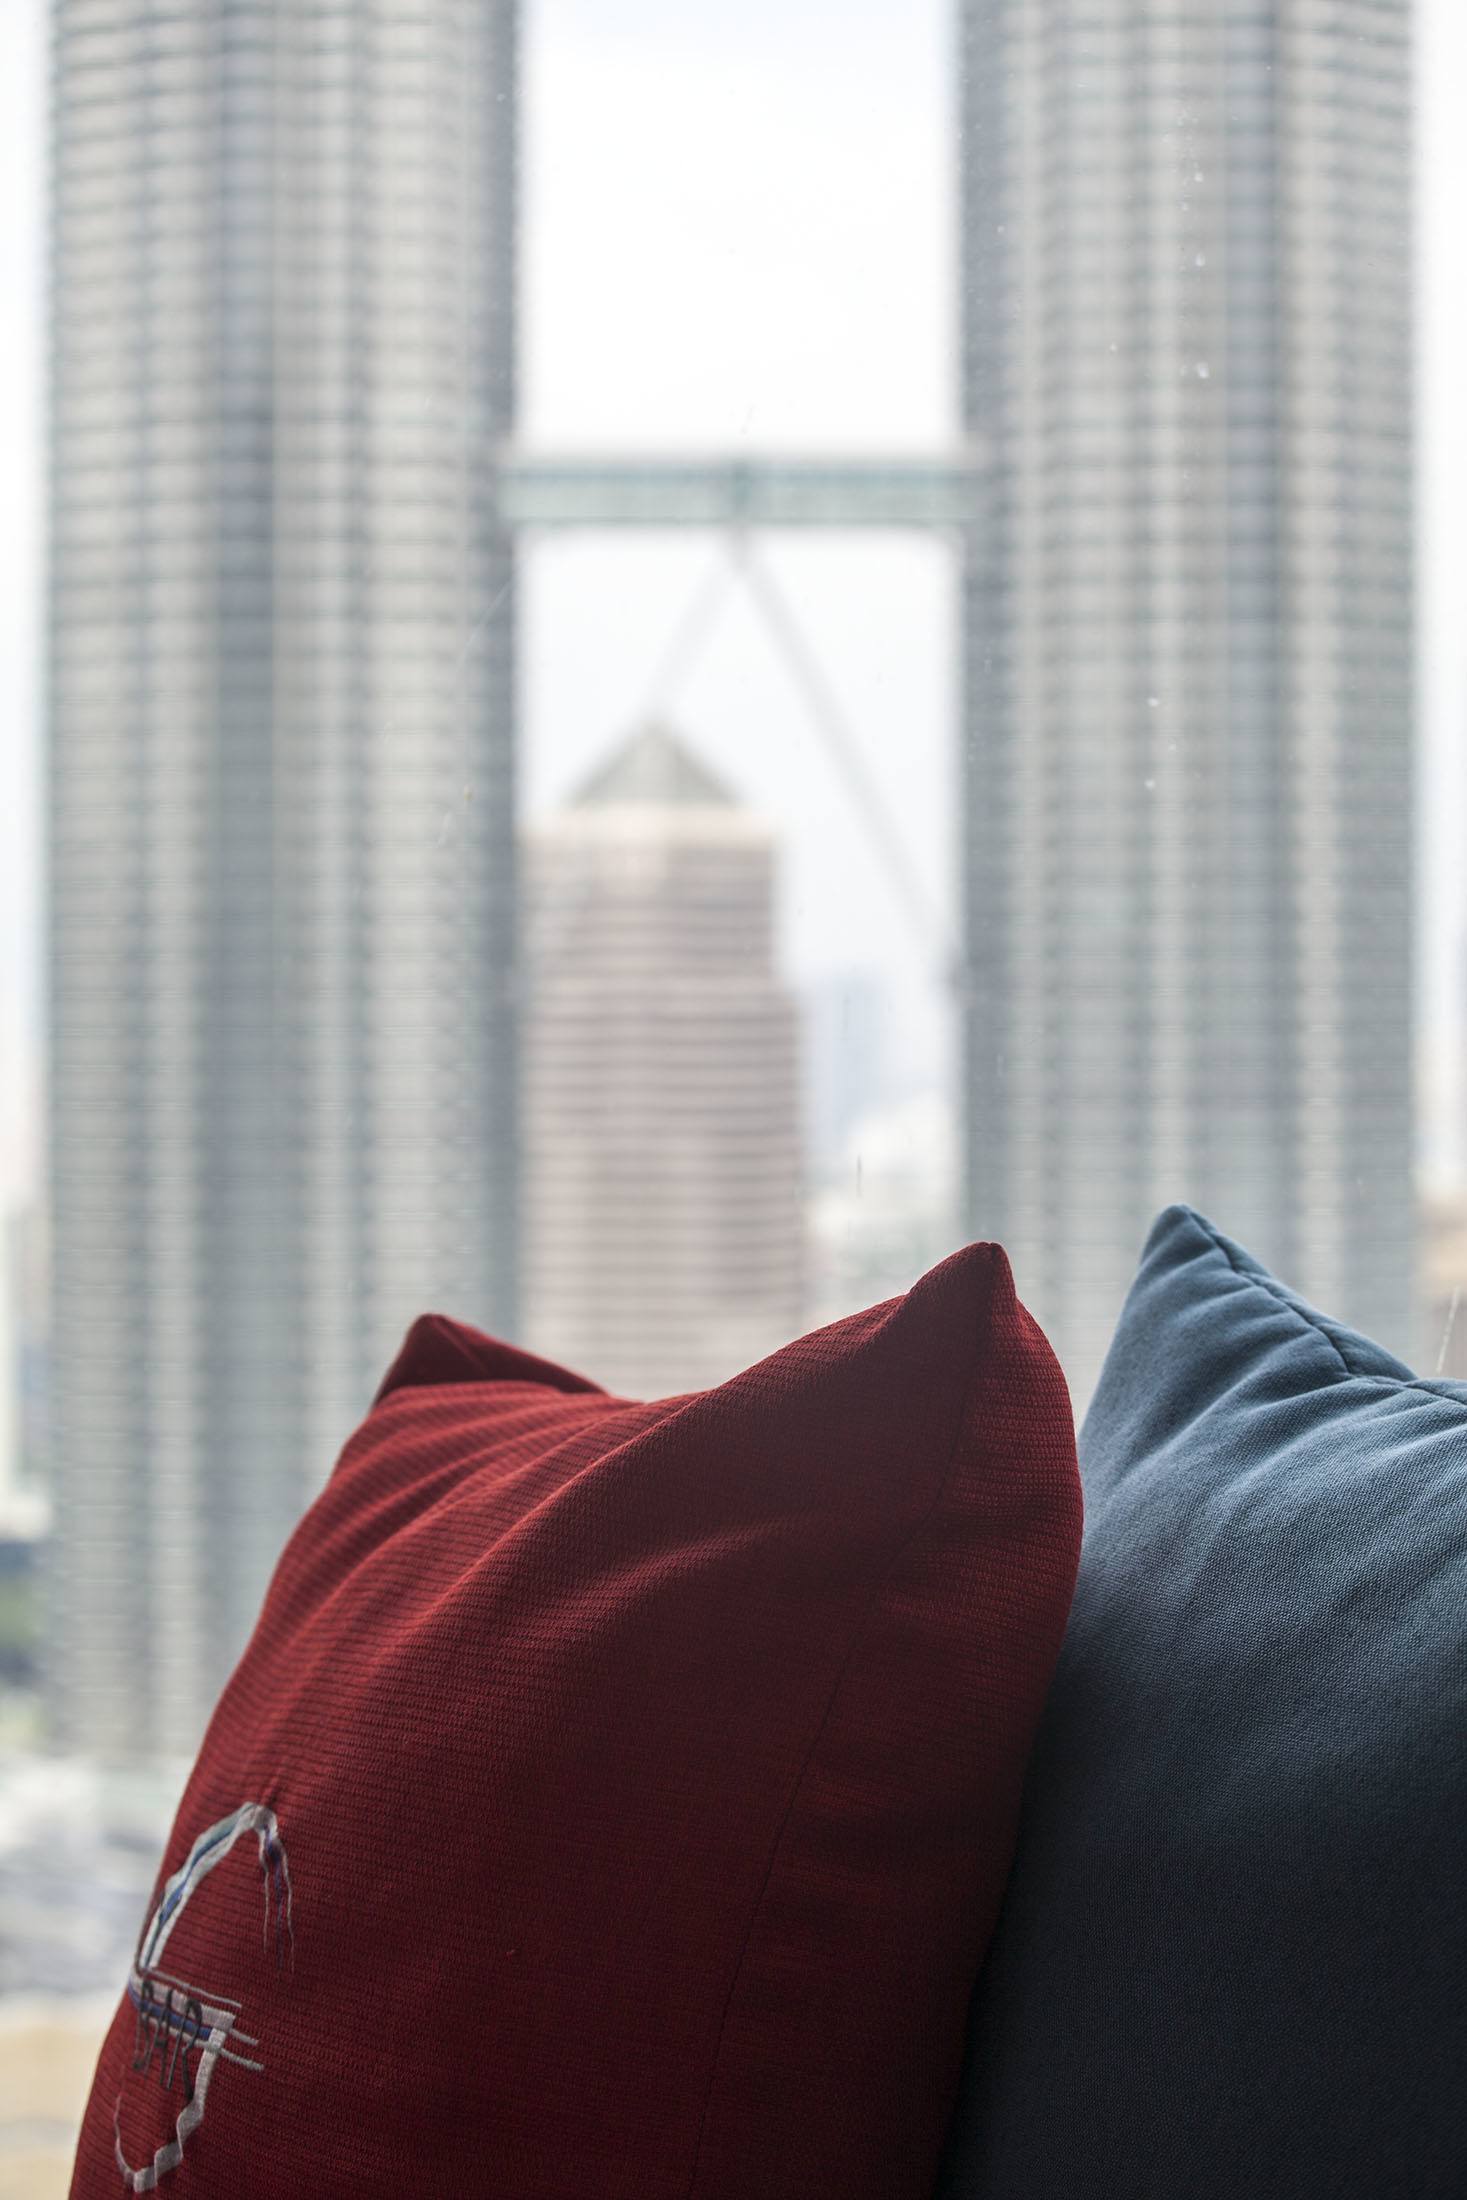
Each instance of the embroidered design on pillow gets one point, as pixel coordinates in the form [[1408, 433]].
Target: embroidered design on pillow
[[177, 2018]]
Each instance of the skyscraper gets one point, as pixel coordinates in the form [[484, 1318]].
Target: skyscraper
[[844, 1026], [24, 1368], [664, 1218], [280, 785], [1187, 352]]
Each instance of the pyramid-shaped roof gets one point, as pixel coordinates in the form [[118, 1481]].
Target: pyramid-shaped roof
[[653, 766]]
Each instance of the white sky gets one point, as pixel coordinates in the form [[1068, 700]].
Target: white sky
[[738, 232]]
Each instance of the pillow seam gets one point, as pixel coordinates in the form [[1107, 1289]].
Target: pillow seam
[[1276, 1292], [1316, 1325]]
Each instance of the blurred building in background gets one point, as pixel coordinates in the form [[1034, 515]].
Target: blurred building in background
[[881, 1215], [844, 1019], [282, 1080], [1187, 348], [662, 1122], [283, 959], [1443, 1348], [25, 1507], [79, 1851], [24, 1369]]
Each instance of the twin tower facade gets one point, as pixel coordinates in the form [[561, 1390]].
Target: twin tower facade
[[285, 964]]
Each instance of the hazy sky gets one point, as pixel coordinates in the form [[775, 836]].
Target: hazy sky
[[739, 233]]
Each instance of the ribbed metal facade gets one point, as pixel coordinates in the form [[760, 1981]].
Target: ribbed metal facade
[[282, 938], [1188, 715]]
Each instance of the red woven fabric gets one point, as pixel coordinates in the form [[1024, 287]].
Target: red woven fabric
[[614, 1800]]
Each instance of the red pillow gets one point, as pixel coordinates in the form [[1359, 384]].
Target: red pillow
[[614, 1800]]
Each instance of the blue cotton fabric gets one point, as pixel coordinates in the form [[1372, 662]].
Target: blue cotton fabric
[[1232, 1958]]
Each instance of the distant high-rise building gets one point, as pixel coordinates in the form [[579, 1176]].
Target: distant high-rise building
[[10, 1442], [843, 1019], [1443, 1348], [25, 1362], [886, 1214], [1187, 353], [664, 1220], [280, 785]]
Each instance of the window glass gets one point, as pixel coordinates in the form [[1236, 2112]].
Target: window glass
[[661, 662]]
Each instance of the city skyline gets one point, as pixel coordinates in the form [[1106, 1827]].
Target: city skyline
[[881, 608], [281, 1181]]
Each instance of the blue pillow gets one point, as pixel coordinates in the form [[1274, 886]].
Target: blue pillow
[[1232, 1957]]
